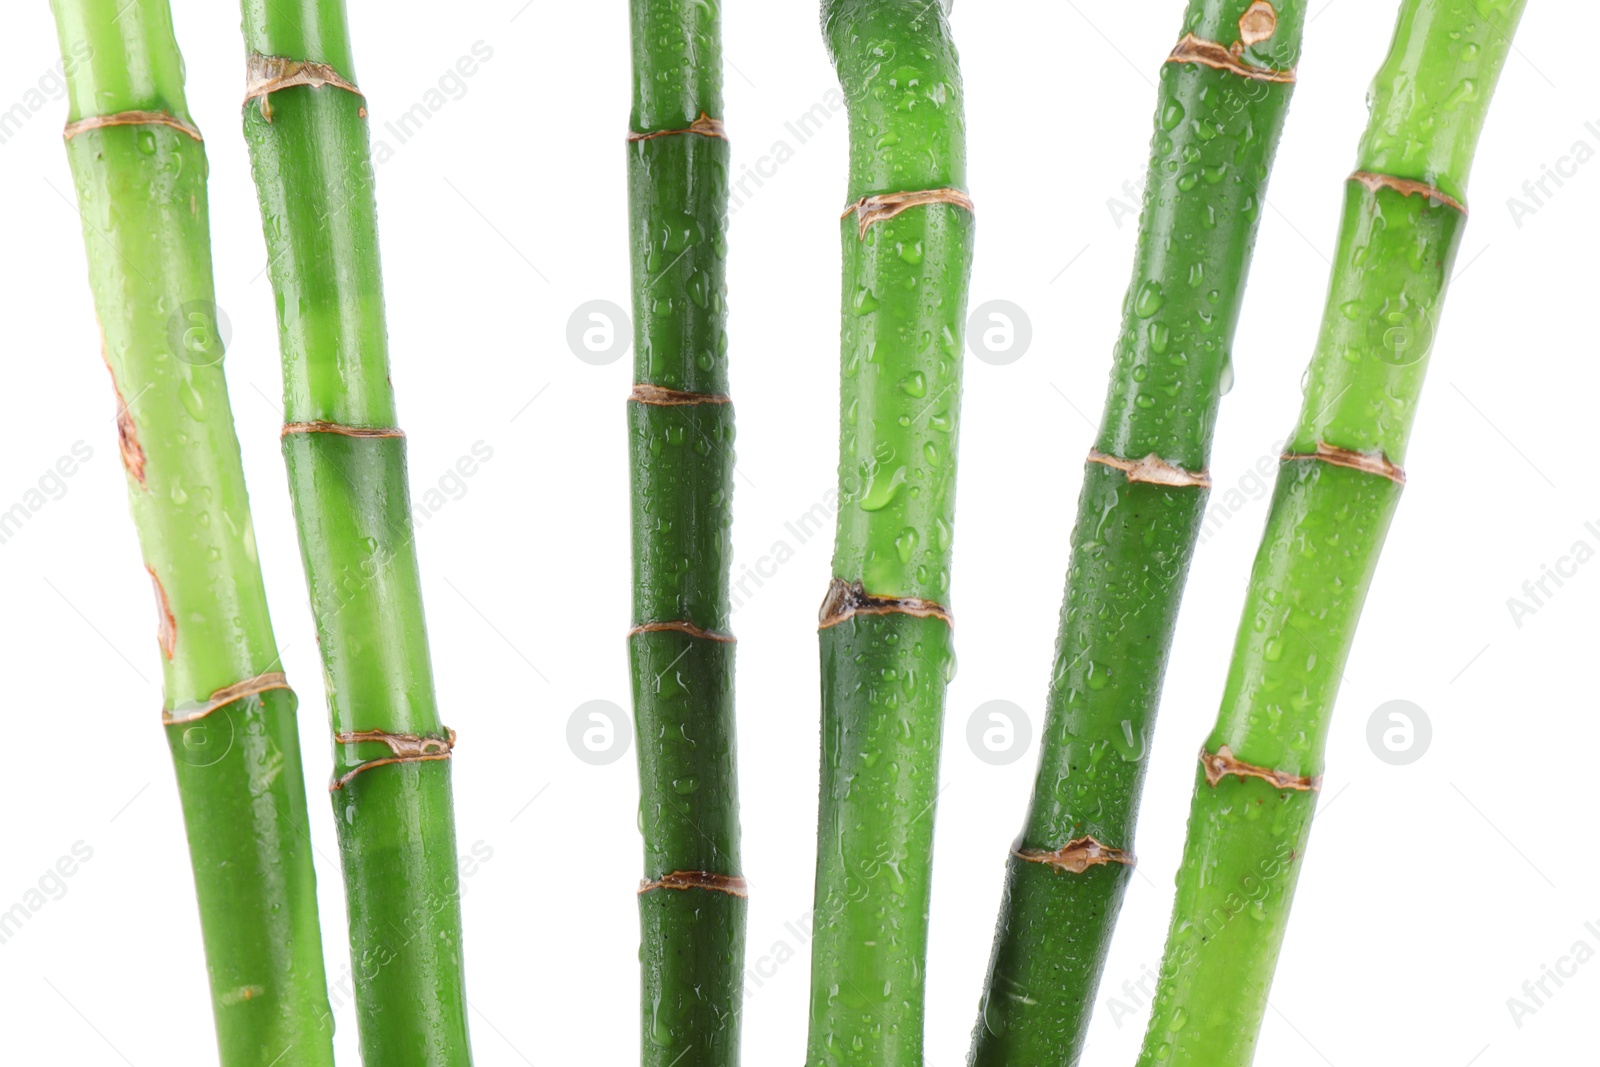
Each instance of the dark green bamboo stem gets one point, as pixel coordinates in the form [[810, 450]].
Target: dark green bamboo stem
[[140, 171], [1256, 789], [305, 121], [885, 627], [1218, 117], [692, 901]]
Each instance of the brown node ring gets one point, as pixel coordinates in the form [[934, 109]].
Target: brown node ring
[[1153, 470], [1407, 187], [407, 748], [1222, 763], [265, 75], [683, 628], [718, 883], [1335, 456], [290, 429], [704, 126], [1192, 49], [261, 683], [885, 206], [1076, 856], [660, 396], [130, 118], [847, 599]]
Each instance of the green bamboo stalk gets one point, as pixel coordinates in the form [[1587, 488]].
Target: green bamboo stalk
[[305, 121], [140, 170], [1221, 107], [1256, 789], [692, 901], [885, 629]]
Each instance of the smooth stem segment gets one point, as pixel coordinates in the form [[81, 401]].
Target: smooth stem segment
[[692, 902], [1256, 789], [1140, 513], [140, 171], [885, 629], [305, 122]]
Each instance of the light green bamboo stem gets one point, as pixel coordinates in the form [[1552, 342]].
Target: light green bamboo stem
[[140, 170]]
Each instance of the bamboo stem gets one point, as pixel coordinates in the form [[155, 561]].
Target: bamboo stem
[[1221, 107], [692, 902], [886, 632], [140, 169], [305, 123], [1256, 789]]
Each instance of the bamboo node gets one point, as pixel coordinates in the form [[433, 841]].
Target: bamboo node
[[292, 428], [131, 118], [885, 206], [407, 748], [265, 75], [1222, 763], [1407, 187], [683, 628], [1335, 456], [261, 683], [732, 885], [1192, 49], [660, 396], [1153, 470], [847, 599], [704, 126], [1076, 856]]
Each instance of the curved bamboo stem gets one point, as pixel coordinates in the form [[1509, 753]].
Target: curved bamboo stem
[[140, 169], [886, 631]]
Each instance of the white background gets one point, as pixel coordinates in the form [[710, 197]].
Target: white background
[[1431, 892]]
